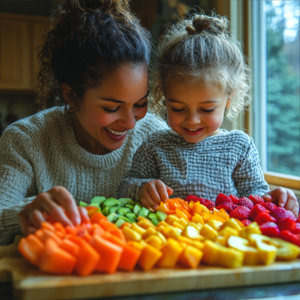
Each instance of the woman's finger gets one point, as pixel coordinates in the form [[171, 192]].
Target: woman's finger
[[25, 225], [63, 197], [36, 218], [45, 202], [84, 214], [161, 189]]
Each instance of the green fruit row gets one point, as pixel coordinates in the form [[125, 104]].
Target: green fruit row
[[123, 210]]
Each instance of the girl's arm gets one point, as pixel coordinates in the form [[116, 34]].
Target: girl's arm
[[248, 176]]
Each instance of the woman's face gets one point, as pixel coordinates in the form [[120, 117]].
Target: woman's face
[[109, 111]]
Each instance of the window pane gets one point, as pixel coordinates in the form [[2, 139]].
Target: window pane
[[283, 127]]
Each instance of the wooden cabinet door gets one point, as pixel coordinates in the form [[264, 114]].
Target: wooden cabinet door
[[15, 60], [38, 27]]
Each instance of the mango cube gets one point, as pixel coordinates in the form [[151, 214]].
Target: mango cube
[[199, 245], [285, 250], [161, 236], [230, 258], [192, 233], [197, 219], [232, 223], [154, 241], [227, 232], [221, 213], [208, 232], [215, 224], [211, 252], [191, 257], [131, 235], [247, 230], [145, 223], [222, 240], [177, 225], [197, 226], [149, 231], [150, 255], [138, 228], [170, 254], [170, 219]]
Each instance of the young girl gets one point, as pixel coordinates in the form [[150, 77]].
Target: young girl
[[200, 76]]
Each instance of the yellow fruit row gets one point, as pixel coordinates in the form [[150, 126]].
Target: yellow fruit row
[[210, 240]]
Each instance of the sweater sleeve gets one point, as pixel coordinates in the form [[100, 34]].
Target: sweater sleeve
[[248, 175], [16, 179], [143, 169]]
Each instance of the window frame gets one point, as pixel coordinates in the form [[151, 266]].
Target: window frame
[[241, 15]]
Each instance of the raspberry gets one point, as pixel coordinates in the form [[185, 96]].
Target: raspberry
[[287, 224], [270, 229], [228, 206], [240, 213], [209, 204], [297, 229], [245, 202], [221, 198], [269, 206], [256, 199], [290, 237], [246, 222], [257, 209], [280, 213], [264, 217], [234, 199]]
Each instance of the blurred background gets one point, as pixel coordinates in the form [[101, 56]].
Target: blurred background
[[269, 31]]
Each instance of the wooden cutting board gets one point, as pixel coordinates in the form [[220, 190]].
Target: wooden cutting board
[[29, 283]]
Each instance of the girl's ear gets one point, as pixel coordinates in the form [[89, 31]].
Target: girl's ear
[[68, 94]]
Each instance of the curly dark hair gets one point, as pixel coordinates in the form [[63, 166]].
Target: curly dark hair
[[87, 41]]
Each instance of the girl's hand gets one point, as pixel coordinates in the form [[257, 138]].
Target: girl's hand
[[153, 192], [283, 198], [53, 203]]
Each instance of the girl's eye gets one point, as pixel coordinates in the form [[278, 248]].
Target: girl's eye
[[141, 105], [177, 110], [111, 110], [208, 111]]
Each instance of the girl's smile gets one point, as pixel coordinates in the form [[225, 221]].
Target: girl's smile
[[194, 111]]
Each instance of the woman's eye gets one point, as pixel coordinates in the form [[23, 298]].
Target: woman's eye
[[111, 110], [141, 105], [208, 111], [177, 110]]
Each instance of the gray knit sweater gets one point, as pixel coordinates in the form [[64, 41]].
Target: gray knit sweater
[[225, 163], [40, 152]]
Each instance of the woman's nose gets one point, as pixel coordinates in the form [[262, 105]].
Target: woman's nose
[[129, 121]]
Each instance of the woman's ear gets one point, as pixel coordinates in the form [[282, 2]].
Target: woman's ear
[[228, 102], [68, 94]]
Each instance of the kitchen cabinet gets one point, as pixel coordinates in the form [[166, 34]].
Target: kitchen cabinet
[[19, 37]]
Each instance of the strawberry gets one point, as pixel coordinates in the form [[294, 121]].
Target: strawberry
[[234, 199], [245, 202], [240, 213], [194, 198], [209, 204], [256, 199], [246, 222], [228, 206], [298, 220], [264, 217], [221, 198], [269, 206], [270, 229], [297, 228], [280, 213], [287, 224], [290, 237], [257, 209]]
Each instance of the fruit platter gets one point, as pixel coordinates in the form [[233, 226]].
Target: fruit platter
[[185, 244]]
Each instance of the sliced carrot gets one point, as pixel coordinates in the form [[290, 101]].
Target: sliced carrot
[[171, 212], [88, 258], [92, 210], [59, 228], [84, 234], [174, 204], [31, 248], [71, 230], [118, 233], [108, 226], [47, 225], [70, 247], [56, 260], [110, 254], [44, 234], [50, 220], [96, 230]]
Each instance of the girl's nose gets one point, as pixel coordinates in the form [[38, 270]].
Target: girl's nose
[[192, 118]]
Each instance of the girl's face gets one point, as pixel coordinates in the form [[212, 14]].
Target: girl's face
[[109, 111], [195, 112]]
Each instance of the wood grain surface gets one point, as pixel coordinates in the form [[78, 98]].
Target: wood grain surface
[[29, 283]]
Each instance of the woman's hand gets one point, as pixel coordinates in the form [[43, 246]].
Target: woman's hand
[[153, 192], [283, 198], [53, 203]]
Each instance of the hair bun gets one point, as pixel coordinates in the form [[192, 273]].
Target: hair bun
[[212, 25], [92, 5]]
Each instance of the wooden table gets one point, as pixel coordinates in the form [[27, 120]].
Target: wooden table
[[29, 283]]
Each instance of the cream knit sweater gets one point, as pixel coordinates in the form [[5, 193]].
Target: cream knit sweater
[[41, 151]]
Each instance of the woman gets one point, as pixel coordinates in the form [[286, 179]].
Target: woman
[[94, 62]]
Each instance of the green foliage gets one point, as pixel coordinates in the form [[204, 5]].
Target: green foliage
[[283, 126]]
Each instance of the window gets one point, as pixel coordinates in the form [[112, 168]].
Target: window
[[277, 84]]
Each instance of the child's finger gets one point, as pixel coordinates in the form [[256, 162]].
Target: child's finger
[[144, 203], [148, 196], [267, 197], [282, 197], [292, 203], [162, 190], [154, 195], [169, 190]]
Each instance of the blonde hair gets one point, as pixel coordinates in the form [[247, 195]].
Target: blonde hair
[[202, 49]]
